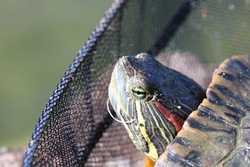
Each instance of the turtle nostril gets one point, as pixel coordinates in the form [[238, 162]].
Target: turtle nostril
[[141, 55]]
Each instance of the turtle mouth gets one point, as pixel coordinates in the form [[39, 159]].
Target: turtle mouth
[[146, 101], [144, 126], [118, 94], [125, 76]]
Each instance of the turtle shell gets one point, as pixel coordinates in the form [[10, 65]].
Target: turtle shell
[[218, 133], [153, 101]]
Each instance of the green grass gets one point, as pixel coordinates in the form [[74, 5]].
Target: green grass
[[38, 41], [224, 32]]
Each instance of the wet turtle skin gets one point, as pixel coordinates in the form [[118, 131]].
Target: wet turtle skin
[[147, 100], [218, 133]]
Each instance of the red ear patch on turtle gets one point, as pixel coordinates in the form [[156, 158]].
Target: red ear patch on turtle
[[176, 121]]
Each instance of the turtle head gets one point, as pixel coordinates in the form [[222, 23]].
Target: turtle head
[[151, 101]]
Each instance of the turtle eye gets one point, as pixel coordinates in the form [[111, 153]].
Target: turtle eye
[[138, 92]]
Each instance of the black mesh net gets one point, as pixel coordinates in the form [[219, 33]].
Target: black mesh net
[[75, 128]]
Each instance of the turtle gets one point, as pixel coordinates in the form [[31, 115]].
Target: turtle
[[174, 121]]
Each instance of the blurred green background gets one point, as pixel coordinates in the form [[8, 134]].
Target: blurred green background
[[38, 41]]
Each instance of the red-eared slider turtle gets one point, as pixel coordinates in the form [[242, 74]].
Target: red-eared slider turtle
[[157, 106]]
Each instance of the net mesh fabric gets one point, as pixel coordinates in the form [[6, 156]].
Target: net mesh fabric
[[75, 128]]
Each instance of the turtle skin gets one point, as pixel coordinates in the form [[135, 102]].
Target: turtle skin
[[151, 101], [218, 132], [147, 96]]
